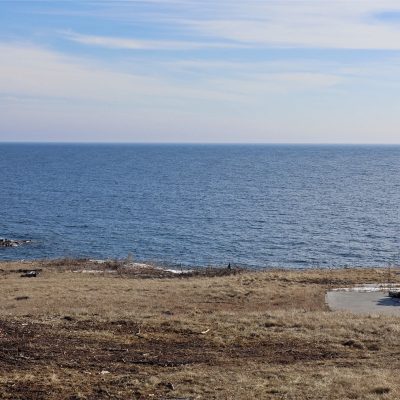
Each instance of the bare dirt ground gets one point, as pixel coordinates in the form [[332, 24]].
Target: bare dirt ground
[[82, 330]]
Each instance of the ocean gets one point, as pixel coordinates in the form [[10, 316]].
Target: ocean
[[196, 205]]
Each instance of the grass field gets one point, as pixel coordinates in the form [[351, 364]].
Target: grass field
[[117, 332]]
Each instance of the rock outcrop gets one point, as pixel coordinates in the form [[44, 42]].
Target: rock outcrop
[[12, 242]]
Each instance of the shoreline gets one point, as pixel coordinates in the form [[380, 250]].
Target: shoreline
[[187, 266], [17, 243]]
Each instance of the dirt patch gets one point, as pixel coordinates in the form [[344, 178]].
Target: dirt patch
[[83, 345]]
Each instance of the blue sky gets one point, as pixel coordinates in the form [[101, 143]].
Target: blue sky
[[200, 71]]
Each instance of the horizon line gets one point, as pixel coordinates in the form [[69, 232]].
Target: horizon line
[[203, 143]]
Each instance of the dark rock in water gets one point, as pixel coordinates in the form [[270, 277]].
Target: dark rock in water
[[12, 242], [8, 243]]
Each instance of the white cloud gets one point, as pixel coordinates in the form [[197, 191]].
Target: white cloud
[[33, 71], [44, 94], [332, 24], [308, 24], [207, 98], [120, 43]]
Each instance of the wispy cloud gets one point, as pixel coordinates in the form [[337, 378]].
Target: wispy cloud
[[29, 70], [220, 70], [44, 89], [306, 24], [120, 43], [279, 24], [35, 71]]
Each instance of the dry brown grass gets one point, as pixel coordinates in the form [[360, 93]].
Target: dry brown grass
[[246, 335]]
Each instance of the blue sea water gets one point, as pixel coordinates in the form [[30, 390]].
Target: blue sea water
[[250, 205]]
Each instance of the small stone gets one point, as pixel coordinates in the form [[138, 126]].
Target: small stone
[[30, 274], [22, 298]]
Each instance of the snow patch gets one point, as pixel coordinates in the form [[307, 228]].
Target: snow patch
[[176, 271], [373, 287], [96, 271]]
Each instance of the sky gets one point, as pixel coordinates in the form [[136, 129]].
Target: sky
[[252, 71]]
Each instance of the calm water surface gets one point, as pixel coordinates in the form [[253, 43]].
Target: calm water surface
[[293, 206]]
